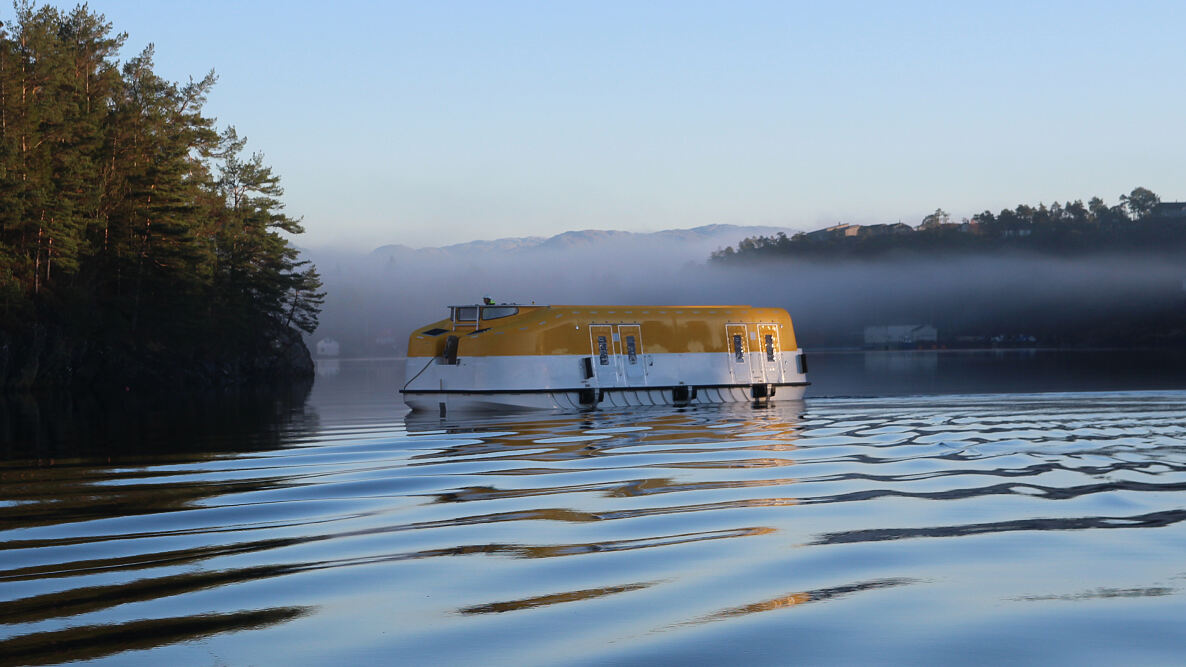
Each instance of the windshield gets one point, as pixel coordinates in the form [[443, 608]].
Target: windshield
[[495, 312]]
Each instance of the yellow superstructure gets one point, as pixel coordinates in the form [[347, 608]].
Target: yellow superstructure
[[554, 330]]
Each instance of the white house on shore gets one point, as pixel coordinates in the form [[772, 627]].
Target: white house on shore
[[901, 335], [328, 347]]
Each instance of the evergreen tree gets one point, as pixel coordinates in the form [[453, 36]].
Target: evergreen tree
[[128, 225]]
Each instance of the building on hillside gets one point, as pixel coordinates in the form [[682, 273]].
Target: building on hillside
[[834, 232], [387, 338], [901, 336], [1169, 210], [885, 230]]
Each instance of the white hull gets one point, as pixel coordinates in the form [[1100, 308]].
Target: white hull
[[478, 401], [579, 382]]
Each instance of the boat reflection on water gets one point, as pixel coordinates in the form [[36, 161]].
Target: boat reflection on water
[[773, 416], [567, 435], [800, 598], [648, 465]]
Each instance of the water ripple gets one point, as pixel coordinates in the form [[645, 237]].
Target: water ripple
[[630, 529]]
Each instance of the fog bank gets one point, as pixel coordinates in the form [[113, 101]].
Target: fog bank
[[375, 299]]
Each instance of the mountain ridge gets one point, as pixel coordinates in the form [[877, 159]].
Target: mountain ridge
[[589, 239]]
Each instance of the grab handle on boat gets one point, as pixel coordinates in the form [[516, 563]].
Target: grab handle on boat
[[450, 353]]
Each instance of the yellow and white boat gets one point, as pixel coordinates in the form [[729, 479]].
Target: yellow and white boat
[[504, 356]]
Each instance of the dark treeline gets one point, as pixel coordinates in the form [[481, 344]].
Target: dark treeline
[[1140, 222], [139, 245]]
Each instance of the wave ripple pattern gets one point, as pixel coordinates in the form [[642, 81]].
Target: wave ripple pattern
[[1027, 528]]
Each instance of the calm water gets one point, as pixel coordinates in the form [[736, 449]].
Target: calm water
[[901, 514]]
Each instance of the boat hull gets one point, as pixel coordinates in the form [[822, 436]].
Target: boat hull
[[515, 357], [583, 399]]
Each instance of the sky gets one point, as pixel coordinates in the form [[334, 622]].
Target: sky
[[432, 123]]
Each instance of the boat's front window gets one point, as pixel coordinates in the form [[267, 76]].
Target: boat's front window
[[495, 312], [465, 313]]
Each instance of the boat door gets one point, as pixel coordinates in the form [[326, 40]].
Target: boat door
[[770, 352], [634, 367], [605, 365], [737, 340]]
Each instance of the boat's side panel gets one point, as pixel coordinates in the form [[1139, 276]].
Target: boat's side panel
[[568, 372]]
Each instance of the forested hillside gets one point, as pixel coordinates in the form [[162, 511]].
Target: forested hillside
[[139, 244], [1139, 223], [1058, 275]]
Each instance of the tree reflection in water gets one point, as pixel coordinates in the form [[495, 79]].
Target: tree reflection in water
[[53, 427], [90, 642]]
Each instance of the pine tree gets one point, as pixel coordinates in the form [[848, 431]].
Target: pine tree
[[259, 279], [126, 220]]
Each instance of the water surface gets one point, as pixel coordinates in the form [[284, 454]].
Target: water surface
[[336, 529]]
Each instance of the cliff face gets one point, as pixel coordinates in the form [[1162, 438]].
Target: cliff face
[[46, 356]]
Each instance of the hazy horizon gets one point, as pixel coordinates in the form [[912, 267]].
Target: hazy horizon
[[373, 295]]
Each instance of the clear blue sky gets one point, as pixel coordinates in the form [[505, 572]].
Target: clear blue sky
[[428, 123]]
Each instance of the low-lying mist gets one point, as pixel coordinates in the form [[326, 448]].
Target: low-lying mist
[[374, 300]]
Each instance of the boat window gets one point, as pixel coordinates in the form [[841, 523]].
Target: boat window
[[495, 312], [602, 351], [769, 347], [465, 313], [435, 331], [631, 351], [738, 348]]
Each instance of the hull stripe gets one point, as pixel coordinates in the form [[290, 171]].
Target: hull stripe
[[605, 390]]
